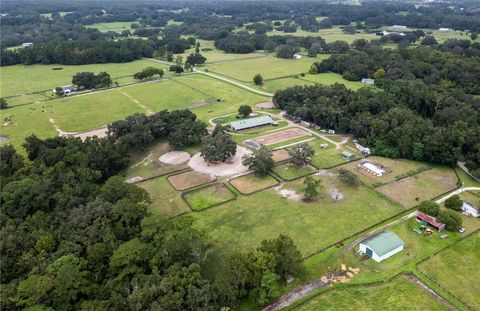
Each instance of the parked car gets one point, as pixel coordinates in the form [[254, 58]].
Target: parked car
[[461, 230]]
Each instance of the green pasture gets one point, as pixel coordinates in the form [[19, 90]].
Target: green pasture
[[330, 78], [456, 269], [209, 196], [239, 223], [289, 171], [280, 84], [166, 201], [331, 156], [18, 123], [84, 112], [398, 294], [113, 26], [21, 79], [269, 67], [331, 34]]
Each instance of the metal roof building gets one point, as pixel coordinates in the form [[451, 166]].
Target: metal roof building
[[381, 246], [252, 122]]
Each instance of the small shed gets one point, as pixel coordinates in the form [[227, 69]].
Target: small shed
[[432, 221], [27, 44], [252, 122], [469, 208], [348, 156], [297, 56], [382, 246], [368, 81], [373, 169]]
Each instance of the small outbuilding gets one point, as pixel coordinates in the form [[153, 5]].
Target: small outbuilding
[[430, 220], [297, 56], [373, 169], [443, 29], [469, 208], [348, 156], [368, 81], [252, 122], [382, 246], [66, 89], [27, 44]]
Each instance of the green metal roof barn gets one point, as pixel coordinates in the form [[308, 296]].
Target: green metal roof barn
[[381, 246], [252, 122]]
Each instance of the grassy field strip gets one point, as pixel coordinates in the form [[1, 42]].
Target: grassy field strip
[[149, 112], [292, 144]]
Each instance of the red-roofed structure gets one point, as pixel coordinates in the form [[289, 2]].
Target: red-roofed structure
[[432, 221]]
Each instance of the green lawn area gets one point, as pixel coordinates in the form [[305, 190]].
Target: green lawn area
[[467, 180], [456, 269], [269, 67], [77, 113], [250, 183], [330, 78], [205, 197], [325, 158], [21, 79], [280, 84], [239, 223], [396, 168], [420, 187], [398, 294], [113, 26], [472, 196], [332, 34], [289, 171], [18, 123], [166, 201]]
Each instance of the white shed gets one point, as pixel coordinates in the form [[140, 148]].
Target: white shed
[[471, 209], [381, 246]]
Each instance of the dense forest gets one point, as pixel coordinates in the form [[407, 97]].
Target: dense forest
[[76, 237]]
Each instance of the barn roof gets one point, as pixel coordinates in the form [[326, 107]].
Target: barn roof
[[251, 122], [432, 221], [383, 242]]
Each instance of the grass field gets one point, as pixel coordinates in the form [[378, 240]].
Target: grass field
[[289, 171], [21, 79], [250, 183], [332, 34], [239, 223], [113, 26], [396, 168], [456, 269], [269, 67], [420, 187], [399, 294], [165, 200], [205, 197], [325, 158], [280, 84], [330, 78]]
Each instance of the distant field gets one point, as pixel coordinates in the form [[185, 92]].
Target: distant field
[[399, 294], [239, 223], [330, 35], [20, 79], [330, 78], [113, 26], [456, 269], [269, 67], [420, 187]]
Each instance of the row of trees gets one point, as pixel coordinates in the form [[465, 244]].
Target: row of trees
[[148, 73], [89, 80], [409, 119]]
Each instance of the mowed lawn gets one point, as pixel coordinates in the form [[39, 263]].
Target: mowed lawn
[[84, 112], [420, 187], [331, 34], [330, 78], [21, 79], [269, 67], [239, 223], [399, 294], [456, 269], [113, 26]]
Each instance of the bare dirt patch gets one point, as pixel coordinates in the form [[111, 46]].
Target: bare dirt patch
[[134, 179], [100, 133], [265, 105], [336, 195], [280, 136], [280, 155], [189, 179], [3, 139], [251, 183], [232, 166], [289, 194], [174, 157]]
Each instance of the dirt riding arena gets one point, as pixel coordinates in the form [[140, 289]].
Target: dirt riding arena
[[174, 157], [280, 136], [280, 155], [265, 105], [189, 179], [232, 166], [100, 133]]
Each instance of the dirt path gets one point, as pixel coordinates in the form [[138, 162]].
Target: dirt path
[[295, 295], [149, 112], [414, 278]]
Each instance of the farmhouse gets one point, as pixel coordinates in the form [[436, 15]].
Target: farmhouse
[[382, 246], [368, 81], [469, 208], [430, 220], [252, 122], [372, 168], [297, 56], [348, 156], [398, 28], [66, 89], [445, 29]]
